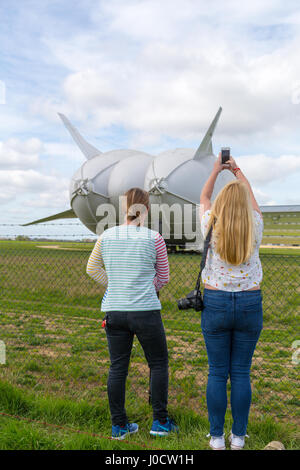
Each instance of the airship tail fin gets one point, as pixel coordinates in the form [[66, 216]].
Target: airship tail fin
[[68, 214], [205, 147], [87, 149]]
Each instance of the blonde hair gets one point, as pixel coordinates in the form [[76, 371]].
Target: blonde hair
[[137, 201], [233, 228]]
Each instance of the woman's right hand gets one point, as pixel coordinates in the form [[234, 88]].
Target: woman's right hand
[[232, 164]]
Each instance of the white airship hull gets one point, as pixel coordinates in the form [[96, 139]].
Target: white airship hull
[[173, 178]]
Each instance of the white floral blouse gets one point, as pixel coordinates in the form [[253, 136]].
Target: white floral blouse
[[223, 276]]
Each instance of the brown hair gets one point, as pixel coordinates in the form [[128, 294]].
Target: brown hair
[[233, 230], [137, 200]]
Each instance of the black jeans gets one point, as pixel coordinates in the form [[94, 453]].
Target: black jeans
[[120, 330]]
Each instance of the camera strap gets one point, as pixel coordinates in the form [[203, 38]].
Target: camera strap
[[204, 256]]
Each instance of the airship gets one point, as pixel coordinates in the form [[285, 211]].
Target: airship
[[173, 178]]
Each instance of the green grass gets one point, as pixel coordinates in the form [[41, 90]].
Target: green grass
[[281, 228], [51, 324], [45, 422], [280, 240]]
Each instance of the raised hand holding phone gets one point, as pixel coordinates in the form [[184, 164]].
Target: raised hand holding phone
[[219, 166]]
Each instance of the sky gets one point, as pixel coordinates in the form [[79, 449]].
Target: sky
[[146, 75]]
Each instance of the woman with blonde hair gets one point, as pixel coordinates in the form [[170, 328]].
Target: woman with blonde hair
[[232, 317]]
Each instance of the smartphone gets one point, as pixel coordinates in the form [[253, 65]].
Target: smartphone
[[225, 151]]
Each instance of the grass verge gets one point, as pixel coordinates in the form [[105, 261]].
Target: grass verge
[[39, 417]]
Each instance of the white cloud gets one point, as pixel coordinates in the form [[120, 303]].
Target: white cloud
[[66, 151], [263, 199], [164, 68], [40, 189], [144, 19], [262, 169], [45, 107], [7, 194], [56, 198], [28, 180], [15, 153]]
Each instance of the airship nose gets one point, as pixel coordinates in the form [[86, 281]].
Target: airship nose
[[158, 186], [83, 187]]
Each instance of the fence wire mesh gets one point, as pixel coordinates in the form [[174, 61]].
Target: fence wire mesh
[[51, 328]]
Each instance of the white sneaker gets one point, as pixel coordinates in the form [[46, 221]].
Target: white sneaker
[[237, 442], [217, 443]]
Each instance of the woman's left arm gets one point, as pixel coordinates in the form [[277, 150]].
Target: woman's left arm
[[95, 265], [162, 276]]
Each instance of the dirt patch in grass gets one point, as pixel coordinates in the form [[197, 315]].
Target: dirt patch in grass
[[141, 367], [284, 246], [49, 352], [57, 247]]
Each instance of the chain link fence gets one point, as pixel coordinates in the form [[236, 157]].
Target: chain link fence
[[54, 343]]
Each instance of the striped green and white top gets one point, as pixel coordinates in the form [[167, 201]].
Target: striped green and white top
[[136, 267]]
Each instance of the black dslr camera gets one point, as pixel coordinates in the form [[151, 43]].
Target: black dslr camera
[[192, 300]]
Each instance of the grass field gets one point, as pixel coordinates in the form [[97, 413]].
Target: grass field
[[281, 228], [57, 361]]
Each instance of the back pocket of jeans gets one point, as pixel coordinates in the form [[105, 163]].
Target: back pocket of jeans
[[213, 317], [250, 317]]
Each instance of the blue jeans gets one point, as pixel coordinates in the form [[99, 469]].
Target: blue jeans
[[120, 330], [231, 323]]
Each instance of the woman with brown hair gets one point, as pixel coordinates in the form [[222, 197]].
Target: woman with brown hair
[[232, 317], [136, 268]]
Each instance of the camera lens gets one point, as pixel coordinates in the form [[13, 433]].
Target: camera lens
[[183, 304]]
